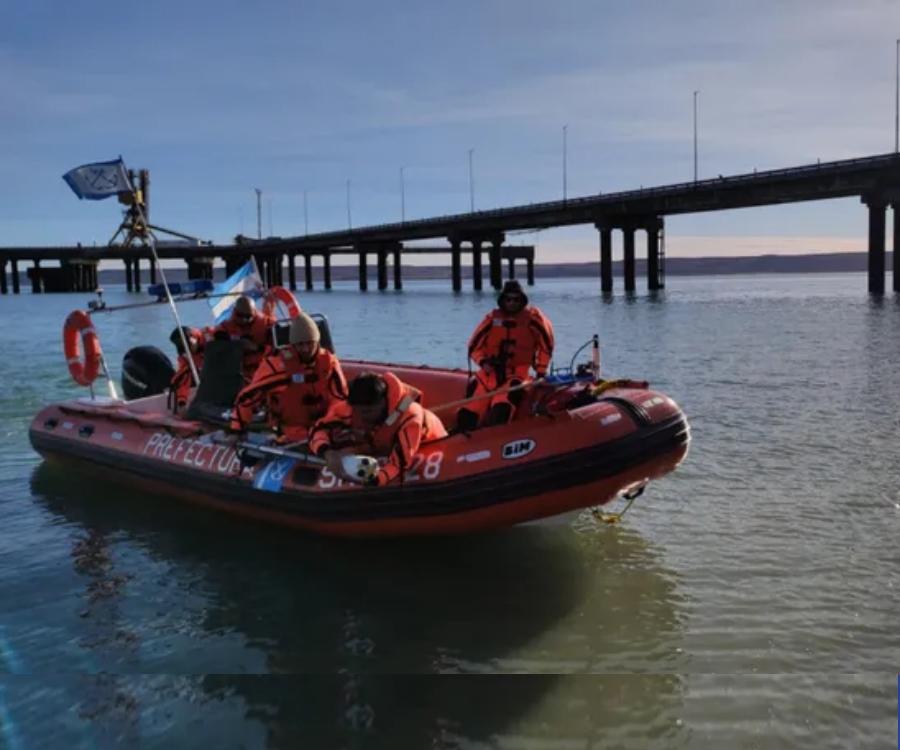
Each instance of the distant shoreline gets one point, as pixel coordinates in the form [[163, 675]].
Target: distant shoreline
[[709, 266]]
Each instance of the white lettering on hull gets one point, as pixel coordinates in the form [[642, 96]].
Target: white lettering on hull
[[423, 467], [221, 459]]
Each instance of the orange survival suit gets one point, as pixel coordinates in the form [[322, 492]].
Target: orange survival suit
[[246, 324], [299, 384], [509, 341], [183, 379], [401, 428]]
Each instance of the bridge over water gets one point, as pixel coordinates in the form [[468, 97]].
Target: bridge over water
[[875, 180]]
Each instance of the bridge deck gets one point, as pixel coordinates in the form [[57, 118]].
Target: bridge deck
[[822, 181]]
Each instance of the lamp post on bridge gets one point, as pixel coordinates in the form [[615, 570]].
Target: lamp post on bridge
[[695, 135], [471, 182], [565, 161], [897, 98], [258, 213], [349, 216]]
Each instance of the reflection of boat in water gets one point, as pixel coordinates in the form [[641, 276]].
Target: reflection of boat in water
[[543, 601], [575, 442]]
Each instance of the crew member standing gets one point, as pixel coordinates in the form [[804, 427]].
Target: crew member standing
[[511, 340]]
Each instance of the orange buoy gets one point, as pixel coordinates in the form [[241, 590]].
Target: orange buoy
[[78, 329], [277, 294]]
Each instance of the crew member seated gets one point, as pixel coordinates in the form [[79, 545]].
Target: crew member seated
[[510, 340], [383, 414], [252, 327], [183, 379], [298, 385]]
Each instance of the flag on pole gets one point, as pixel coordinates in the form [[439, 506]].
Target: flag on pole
[[99, 180], [246, 280]]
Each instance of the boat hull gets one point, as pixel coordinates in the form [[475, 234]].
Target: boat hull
[[533, 468]]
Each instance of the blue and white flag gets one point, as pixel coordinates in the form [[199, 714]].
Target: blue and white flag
[[246, 280], [100, 180]]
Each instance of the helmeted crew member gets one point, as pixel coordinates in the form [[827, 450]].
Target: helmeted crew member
[[298, 384], [510, 340], [183, 379], [252, 327], [383, 414]]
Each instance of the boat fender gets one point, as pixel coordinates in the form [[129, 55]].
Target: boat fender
[[77, 330], [146, 371], [277, 294]]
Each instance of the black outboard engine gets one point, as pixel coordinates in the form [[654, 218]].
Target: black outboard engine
[[146, 371]]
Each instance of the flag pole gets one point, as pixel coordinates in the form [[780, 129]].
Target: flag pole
[[162, 275]]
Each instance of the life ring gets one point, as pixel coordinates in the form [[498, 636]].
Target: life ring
[[80, 328], [277, 294]]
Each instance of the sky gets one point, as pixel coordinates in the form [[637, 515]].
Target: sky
[[302, 97]]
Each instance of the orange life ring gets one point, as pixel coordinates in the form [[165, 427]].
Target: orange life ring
[[80, 328], [278, 294]]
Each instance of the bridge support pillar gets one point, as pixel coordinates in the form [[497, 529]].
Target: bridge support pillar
[[326, 270], [382, 269], [496, 270], [4, 289], [477, 277], [276, 269], [363, 272], [37, 283], [398, 269], [307, 273], [628, 257], [292, 271], [456, 265], [606, 273], [896, 248], [129, 281], [877, 220], [512, 267], [152, 271], [529, 270], [654, 229], [199, 268]]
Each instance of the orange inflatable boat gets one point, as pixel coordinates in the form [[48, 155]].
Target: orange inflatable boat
[[576, 442]]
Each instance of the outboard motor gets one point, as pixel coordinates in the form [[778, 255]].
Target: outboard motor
[[146, 371]]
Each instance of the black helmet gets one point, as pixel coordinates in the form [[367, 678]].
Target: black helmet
[[512, 287], [175, 337]]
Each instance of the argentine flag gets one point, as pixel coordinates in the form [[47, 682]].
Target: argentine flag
[[246, 280], [98, 180]]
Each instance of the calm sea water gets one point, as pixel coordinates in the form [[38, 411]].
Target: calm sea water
[[751, 600]]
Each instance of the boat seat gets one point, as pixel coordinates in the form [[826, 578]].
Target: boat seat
[[220, 382]]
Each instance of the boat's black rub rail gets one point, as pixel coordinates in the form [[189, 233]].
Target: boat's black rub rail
[[477, 491]]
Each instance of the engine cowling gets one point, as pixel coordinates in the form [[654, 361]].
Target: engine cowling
[[146, 371]]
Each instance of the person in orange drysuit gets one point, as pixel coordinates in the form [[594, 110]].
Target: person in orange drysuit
[[252, 327], [183, 379], [298, 384], [383, 414], [509, 341]]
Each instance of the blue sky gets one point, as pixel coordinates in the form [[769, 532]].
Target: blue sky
[[290, 97]]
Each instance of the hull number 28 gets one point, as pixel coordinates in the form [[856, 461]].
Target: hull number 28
[[424, 467]]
